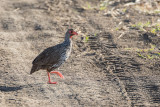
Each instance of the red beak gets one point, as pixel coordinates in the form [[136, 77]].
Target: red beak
[[74, 33]]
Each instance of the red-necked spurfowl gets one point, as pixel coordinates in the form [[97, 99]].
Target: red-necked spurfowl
[[53, 57]]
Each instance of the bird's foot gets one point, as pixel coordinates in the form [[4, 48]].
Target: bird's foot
[[58, 73], [49, 82]]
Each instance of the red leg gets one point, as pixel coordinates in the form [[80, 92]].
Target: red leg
[[58, 73]]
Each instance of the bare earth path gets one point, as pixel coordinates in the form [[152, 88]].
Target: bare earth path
[[100, 71]]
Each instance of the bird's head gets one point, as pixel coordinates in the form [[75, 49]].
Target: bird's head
[[71, 32]]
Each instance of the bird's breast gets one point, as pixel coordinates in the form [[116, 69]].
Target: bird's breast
[[66, 54]]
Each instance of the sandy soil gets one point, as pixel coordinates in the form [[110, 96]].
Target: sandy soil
[[113, 63]]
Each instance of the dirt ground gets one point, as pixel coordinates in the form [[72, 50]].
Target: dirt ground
[[115, 59]]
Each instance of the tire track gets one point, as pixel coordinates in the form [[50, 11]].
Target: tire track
[[122, 69]]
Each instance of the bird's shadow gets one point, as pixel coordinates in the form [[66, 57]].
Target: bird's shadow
[[8, 89], [16, 88]]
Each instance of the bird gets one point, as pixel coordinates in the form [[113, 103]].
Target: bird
[[54, 56]]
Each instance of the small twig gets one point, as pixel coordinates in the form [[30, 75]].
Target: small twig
[[16, 9], [121, 35]]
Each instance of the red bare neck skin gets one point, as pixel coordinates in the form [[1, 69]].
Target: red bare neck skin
[[70, 36]]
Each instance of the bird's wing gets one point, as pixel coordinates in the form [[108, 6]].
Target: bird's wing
[[49, 56]]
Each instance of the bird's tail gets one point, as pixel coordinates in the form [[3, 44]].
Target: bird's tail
[[34, 69]]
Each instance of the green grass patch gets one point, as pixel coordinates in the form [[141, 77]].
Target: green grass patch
[[149, 53], [153, 28], [103, 5]]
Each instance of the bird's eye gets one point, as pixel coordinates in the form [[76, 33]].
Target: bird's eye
[[70, 32]]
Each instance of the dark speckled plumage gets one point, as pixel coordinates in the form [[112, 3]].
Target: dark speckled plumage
[[52, 57]]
